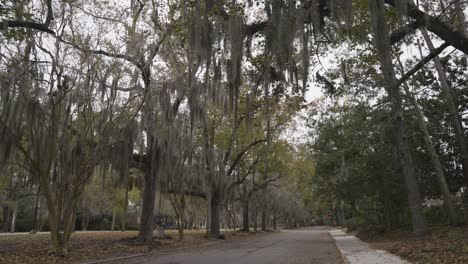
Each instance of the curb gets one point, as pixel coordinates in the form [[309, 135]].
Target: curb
[[344, 260], [152, 253]]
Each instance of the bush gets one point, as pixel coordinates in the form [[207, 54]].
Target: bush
[[354, 223], [368, 224], [132, 227], [436, 215], [24, 224]]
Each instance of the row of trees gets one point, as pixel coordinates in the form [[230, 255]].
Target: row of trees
[[146, 96], [399, 110]]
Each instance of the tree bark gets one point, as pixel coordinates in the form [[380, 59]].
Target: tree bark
[[215, 205], [113, 219], [233, 217], [181, 230], [386, 204], [84, 221], [342, 214], [6, 218], [274, 220], [460, 17], [123, 226], [245, 216], [440, 176], [13, 219], [145, 233], [254, 220], [36, 206], [452, 107], [382, 40], [264, 227], [454, 37]]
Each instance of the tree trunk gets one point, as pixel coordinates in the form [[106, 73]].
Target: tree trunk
[[54, 234], [461, 17], [145, 233], [448, 94], [36, 206], [13, 219], [448, 200], [6, 218], [73, 227], [254, 220], [264, 227], [342, 214], [386, 205], [84, 220], [123, 223], [208, 213], [69, 223], [181, 229], [245, 216], [8, 210], [234, 220], [113, 219], [215, 211], [382, 40], [274, 220], [60, 239]]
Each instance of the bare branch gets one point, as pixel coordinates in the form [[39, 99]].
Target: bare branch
[[43, 27], [453, 37], [241, 154], [423, 62]]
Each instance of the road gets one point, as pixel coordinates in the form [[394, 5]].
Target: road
[[305, 246]]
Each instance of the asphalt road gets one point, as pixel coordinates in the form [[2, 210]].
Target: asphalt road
[[305, 246]]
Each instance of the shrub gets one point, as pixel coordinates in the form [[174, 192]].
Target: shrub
[[23, 224], [354, 223], [436, 215]]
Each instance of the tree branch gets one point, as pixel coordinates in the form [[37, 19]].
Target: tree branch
[[44, 27], [253, 28], [242, 153], [258, 187], [453, 37], [26, 24], [240, 181], [128, 58], [401, 33], [423, 62]]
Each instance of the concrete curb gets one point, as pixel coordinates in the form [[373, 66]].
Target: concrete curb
[[152, 253], [355, 251]]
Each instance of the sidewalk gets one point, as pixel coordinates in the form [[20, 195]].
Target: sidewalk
[[354, 251]]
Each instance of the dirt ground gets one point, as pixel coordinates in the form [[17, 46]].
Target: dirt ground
[[89, 246], [442, 245]]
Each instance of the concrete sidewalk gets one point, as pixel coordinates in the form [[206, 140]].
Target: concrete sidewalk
[[354, 251]]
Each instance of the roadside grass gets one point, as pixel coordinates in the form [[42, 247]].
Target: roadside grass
[[448, 245], [90, 246]]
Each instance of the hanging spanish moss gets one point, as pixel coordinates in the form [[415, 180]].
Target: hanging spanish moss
[[284, 26], [236, 39], [402, 8], [379, 27]]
